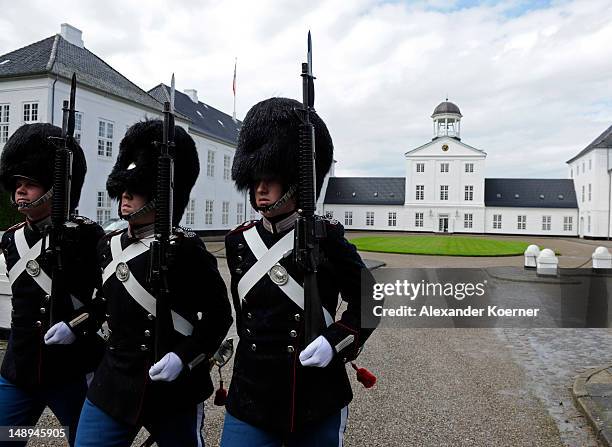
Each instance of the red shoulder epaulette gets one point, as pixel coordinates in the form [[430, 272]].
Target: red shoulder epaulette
[[243, 226], [16, 226]]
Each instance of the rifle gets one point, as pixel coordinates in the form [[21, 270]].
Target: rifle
[[60, 205], [309, 229], [161, 250]]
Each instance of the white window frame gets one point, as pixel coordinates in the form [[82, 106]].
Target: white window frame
[[443, 192], [225, 206], [568, 223], [105, 138], [392, 218], [5, 119], [369, 218], [239, 213], [468, 220], [420, 167], [420, 192], [582, 193], [590, 191], [469, 167], [418, 220], [30, 112], [348, 218], [444, 167], [469, 193], [497, 221], [546, 223], [210, 163], [103, 207], [227, 163], [209, 211], [521, 222], [190, 212]]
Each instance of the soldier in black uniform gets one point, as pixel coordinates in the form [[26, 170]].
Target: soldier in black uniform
[[282, 391], [129, 388], [33, 374]]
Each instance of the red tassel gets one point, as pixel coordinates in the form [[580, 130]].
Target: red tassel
[[220, 395], [364, 376]]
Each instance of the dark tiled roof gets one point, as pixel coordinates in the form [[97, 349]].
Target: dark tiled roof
[[446, 107], [602, 141], [57, 56], [204, 118], [532, 193], [366, 190]]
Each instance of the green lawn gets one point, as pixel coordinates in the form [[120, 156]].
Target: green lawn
[[441, 245]]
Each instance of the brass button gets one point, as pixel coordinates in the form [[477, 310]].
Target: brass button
[[249, 315], [297, 317], [239, 257], [290, 349], [240, 246], [253, 347], [238, 271], [150, 316], [248, 331], [147, 333], [107, 316], [47, 298], [43, 310], [293, 334], [144, 348], [38, 324]]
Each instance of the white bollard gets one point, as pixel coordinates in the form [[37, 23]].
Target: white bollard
[[547, 263], [531, 254], [602, 259]]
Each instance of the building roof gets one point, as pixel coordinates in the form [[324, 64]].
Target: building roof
[[530, 193], [204, 118], [56, 56], [365, 191], [603, 141], [446, 107]]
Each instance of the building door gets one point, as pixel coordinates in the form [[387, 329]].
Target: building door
[[443, 224]]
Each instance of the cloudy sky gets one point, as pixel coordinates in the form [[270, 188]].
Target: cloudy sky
[[533, 79]]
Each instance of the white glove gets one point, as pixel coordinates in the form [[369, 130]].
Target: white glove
[[318, 353], [59, 334], [167, 369]]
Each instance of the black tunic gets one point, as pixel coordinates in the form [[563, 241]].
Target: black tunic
[[121, 385], [28, 362], [270, 388]]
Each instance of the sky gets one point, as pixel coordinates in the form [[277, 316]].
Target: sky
[[533, 79]]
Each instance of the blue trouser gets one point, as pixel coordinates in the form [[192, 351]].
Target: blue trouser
[[24, 407], [98, 429], [328, 433]]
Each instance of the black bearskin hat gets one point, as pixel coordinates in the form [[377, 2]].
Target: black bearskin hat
[[268, 145], [29, 153], [136, 167]]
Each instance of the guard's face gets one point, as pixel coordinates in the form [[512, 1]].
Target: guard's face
[[267, 192], [27, 191], [131, 202]]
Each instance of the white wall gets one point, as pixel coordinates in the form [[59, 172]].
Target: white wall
[[534, 221]]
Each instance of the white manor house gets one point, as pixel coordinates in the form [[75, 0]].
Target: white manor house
[[445, 191]]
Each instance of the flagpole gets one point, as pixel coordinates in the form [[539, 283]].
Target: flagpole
[[234, 88]]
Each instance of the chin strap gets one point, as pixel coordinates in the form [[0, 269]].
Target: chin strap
[[149, 206], [280, 202], [28, 206]]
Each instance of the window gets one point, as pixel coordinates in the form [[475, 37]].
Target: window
[[420, 167], [348, 218], [443, 192], [521, 222], [420, 192], [239, 213], [567, 223], [190, 212], [590, 164], [4, 122], [443, 167], [369, 218], [468, 220], [105, 139], [208, 213], [469, 167], [589, 224], [226, 167], [418, 220], [329, 214], [469, 192], [392, 219], [103, 207], [572, 173], [224, 213], [582, 193], [30, 112], [210, 165], [546, 223], [78, 126], [583, 170], [497, 221], [590, 192]]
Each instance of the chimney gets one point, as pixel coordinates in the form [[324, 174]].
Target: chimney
[[72, 34], [193, 95]]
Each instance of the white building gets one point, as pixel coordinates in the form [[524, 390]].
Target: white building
[[35, 82], [445, 190], [591, 171]]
